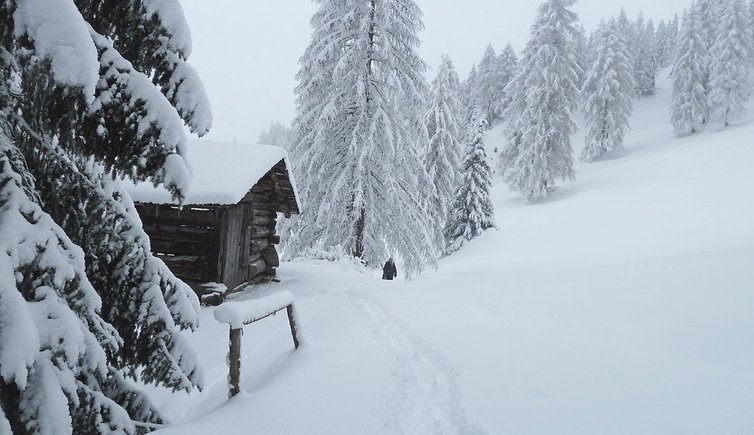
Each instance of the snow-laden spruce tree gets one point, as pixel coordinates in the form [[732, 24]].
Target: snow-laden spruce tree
[[358, 131], [581, 43], [730, 60], [507, 67], [472, 212], [468, 87], [666, 40], [629, 32], [689, 105], [661, 47], [608, 94], [90, 92], [707, 15], [646, 58], [489, 85], [539, 120], [443, 155]]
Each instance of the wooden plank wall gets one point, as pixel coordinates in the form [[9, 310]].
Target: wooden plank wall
[[185, 239], [233, 254]]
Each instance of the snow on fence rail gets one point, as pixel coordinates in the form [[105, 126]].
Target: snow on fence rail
[[239, 314]]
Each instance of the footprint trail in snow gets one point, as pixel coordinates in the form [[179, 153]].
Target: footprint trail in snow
[[428, 396]]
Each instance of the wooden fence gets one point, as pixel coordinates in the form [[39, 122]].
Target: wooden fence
[[239, 314]]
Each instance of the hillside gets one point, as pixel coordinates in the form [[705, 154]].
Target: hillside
[[622, 305]]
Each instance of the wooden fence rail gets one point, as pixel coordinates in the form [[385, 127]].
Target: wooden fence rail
[[239, 314]]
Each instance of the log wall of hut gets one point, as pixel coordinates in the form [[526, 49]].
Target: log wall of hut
[[231, 244], [185, 239]]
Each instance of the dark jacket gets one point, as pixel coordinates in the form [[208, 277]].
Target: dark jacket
[[389, 271]]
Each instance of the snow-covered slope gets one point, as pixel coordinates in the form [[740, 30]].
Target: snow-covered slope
[[624, 304]]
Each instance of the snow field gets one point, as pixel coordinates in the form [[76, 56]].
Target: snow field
[[622, 304]]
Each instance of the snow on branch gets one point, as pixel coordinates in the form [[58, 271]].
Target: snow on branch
[[60, 34], [186, 91], [158, 125], [171, 17]]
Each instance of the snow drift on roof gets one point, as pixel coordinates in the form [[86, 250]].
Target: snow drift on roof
[[222, 172]]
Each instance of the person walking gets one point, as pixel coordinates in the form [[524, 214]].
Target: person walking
[[389, 271]]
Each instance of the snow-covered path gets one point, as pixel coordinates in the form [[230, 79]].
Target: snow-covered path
[[428, 397], [360, 369], [621, 305]]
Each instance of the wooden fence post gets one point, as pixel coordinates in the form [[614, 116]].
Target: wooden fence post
[[292, 321], [234, 361]]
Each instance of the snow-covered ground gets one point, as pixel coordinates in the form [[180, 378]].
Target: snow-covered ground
[[624, 304]]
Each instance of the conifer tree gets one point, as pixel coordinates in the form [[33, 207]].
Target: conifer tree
[[472, 211], [358, 133], [90, 92], [443, 157], [730, 88], [638, 50], [675, 29], [489, 85], [539, 143], [468, 87], [661, 47], [707, 16], [608, 94], [629, 32], [689, 106], [666, 41], [581, 42], [646, 59], [507, 66]]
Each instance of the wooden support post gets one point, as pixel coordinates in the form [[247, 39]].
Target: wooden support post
[[234, 361], [292, 321]]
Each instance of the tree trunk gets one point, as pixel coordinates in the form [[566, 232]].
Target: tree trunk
[[360, 224]]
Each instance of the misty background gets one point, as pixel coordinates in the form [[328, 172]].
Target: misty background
[[247, 52]]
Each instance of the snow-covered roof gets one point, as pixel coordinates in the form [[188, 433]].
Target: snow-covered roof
[[222, 172]]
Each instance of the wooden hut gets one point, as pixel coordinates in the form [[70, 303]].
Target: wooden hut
[[225, 231]]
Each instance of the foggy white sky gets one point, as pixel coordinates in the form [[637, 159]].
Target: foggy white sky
[[247, 51]]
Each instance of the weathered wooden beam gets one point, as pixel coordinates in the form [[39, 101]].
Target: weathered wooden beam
[[260, 231], [255, 268], [193, 268], [261, 212], [178, 230], [192, 222], [259, 245], [178, 248], [263, 220], [167, 213], [234, 362], [270, 255], [269, 206]]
